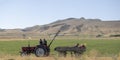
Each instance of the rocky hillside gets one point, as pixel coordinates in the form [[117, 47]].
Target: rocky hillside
[[70, 26]]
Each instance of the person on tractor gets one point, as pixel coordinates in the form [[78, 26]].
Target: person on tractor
[[41, 42], [44, 42]]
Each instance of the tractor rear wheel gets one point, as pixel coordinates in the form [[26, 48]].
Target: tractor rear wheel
[[39, 52]]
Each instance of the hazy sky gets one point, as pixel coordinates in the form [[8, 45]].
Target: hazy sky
[[26, 13]]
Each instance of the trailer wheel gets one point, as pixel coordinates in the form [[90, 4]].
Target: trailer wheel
[[39, 52]]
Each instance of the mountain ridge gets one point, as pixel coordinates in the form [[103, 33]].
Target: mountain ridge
[[71, 26]]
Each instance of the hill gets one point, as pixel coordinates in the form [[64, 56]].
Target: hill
[[69, 26]]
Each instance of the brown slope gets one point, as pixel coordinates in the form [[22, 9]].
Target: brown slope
[[70, 26]]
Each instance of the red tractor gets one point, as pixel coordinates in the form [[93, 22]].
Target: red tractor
[[39, 50]]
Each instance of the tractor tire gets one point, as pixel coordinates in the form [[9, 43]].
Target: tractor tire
[[39, 52], [23, 54]]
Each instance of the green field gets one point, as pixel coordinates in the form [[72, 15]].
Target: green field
[[103, 46]]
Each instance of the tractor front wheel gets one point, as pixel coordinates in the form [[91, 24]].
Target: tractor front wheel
[[23, 54]]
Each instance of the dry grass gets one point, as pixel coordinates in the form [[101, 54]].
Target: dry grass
[[57, 58], [91, 56], [36, 58]]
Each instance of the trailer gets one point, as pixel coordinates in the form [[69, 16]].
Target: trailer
[[76, 50]]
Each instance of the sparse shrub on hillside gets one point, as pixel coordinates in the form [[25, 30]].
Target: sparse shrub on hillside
[[117, 35]]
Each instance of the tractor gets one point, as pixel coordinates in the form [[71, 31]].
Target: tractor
[[38, 50]]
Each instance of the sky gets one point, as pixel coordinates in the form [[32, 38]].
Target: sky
[[27, 13]]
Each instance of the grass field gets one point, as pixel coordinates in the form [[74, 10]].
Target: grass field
[[103, 46], [97, 49]]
